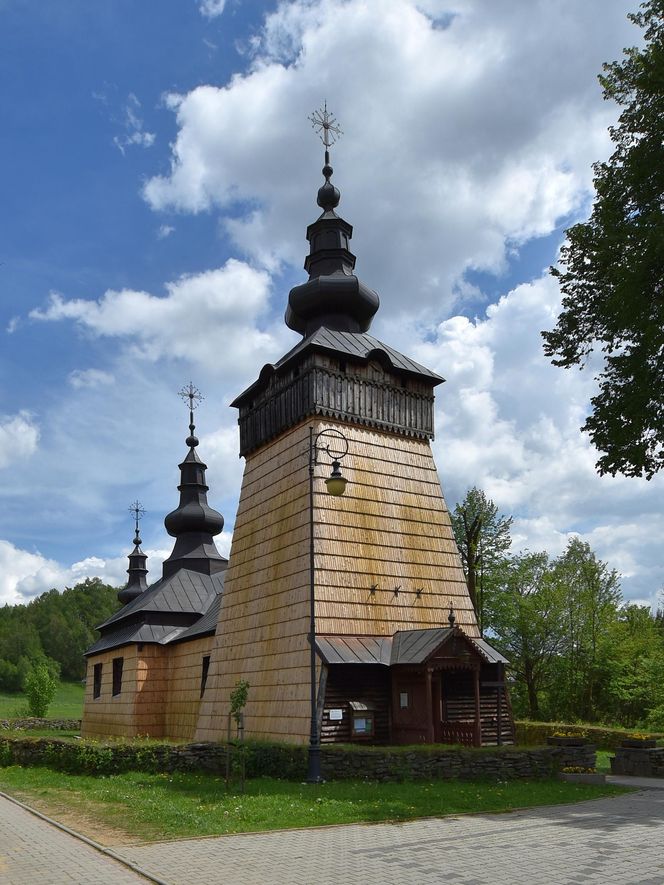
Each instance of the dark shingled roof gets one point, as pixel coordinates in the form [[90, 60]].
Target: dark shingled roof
[[415, 646], [205, 625], [357, 345], [181, 607], [355, 649], [159, 633], [405, 647], [185, 591], [491, 654]]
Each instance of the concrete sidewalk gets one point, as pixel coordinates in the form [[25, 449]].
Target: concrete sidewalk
[[34, 852]]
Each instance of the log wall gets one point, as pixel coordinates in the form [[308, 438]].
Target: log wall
[[391, 532]]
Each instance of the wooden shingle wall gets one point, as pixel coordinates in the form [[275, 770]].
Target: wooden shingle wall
[[390, 531], [184, 688], [107, 715], [152, 673]]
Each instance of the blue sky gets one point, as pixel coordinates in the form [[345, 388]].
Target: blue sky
[[158, 176]]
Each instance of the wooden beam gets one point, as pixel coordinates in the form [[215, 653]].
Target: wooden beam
[[429, 703], [478, 721], [499, 700]]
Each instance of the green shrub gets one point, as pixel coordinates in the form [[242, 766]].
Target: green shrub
[[40, 687], [655, 720], [535, 733]]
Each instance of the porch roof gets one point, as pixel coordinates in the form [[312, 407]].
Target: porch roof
[[355, 649], [405, 647]]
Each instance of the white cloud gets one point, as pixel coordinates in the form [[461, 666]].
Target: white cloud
[[90, 378], [19, 436], [209, 318], [25, 574], [211, 8], [165, 231], [13, 325], [219, 450], [134, 133], [464, 139], [509, 422]]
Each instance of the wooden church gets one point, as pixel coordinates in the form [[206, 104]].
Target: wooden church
[[347, 614]]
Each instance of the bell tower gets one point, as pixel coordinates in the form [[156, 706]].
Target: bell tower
[[379, 559]]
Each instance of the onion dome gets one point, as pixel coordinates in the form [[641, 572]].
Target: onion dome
[[193, 523], [333, 296], [137, 570]]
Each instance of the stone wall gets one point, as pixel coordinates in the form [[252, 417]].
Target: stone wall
[[637, 762], [506, 764], [31, 722], [290, 761]]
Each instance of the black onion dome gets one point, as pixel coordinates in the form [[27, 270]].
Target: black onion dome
[[194, 523], [333, 296], [193, 513]]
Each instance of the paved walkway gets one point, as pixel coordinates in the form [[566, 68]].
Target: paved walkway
[[33, 852], [617, 841]]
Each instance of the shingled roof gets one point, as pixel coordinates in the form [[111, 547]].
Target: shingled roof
[[405, 647], [177, 608]]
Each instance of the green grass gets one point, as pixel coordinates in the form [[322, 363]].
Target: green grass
[[602, 763], [170, 806], [67, 703]]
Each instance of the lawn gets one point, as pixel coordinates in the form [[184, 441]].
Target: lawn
[[67, 703], [179, 805]]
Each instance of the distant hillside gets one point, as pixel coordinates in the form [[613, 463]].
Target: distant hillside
[[56, 625]]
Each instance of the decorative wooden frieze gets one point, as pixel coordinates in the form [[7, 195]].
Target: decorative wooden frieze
[[366, 395]]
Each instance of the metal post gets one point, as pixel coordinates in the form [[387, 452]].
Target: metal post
[[313, 774]]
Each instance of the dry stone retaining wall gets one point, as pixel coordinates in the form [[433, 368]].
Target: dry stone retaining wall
[[290, 761]]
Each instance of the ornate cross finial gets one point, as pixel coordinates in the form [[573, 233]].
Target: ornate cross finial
[[191, 396], [138, 512], [326, 126]]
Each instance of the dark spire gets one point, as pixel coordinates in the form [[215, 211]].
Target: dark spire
[[333, 296], [193, 523], [137, 570]]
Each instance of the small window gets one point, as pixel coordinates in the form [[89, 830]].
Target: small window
[[403, 700], [204, 673], [96, 681], [117, 675]]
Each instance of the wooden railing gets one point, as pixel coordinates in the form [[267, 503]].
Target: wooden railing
[[458, 733]]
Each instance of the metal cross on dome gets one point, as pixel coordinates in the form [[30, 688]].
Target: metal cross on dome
[[191, 396], [326, 126], [138, 512]]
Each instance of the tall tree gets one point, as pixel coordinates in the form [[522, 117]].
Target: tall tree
[[483, 538], [612, 279], [528, 620], [632, 652], [592, 596]]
